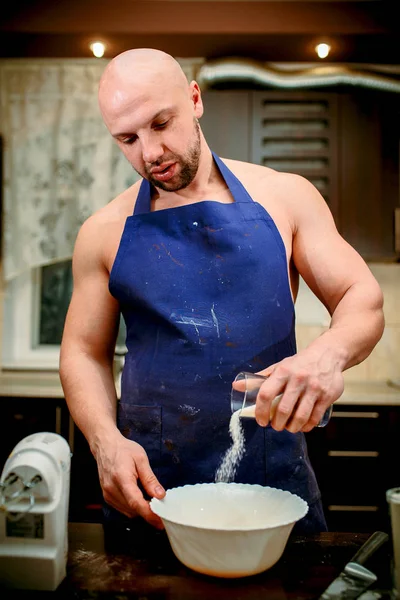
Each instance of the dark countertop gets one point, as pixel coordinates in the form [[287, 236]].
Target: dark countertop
[[120, 564]]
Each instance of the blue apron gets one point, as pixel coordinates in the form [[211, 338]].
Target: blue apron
[[204, 292]]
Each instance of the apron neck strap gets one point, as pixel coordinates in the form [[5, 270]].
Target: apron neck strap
[[142, 204], [237, 189]]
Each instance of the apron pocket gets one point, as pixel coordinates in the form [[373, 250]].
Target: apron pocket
[[142, 424]]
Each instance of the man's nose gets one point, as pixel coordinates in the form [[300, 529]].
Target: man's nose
[[152, 149]]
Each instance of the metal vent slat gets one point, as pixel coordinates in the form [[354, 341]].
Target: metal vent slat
[[295, 133]]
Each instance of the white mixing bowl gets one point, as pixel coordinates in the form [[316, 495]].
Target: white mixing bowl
[[228, 529]]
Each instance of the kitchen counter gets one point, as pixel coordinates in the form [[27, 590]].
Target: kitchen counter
[[30, 384], [120, 564]]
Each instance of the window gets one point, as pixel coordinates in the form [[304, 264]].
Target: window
[[35, 308], [54, 290], [21, 325]]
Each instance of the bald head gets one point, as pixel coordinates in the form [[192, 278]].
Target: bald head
[[152, 112], [137, 72]]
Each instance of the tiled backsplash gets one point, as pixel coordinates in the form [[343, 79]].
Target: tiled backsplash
[[384, 361]]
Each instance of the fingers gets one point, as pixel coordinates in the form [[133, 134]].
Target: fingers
[[268, 391], [290, 411], [129, 500], [117, 501], [268, 371], [298, 408], [239, 385], [317, 415], [120, 484], [303, 413], [297, 392], [139, 505], [115, 497], [149, 481], [152, 486]]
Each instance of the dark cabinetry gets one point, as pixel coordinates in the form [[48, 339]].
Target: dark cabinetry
[[345, 142], [23, 416], [368, 171], [86, 495], [356, 460]]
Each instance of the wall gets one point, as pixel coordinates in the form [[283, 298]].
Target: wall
[[1, 310], [313, 319], [384, 361]]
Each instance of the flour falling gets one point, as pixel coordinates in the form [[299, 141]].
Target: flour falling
[[227, 469]]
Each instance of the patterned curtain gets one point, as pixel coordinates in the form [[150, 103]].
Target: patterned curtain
[[60, 162]]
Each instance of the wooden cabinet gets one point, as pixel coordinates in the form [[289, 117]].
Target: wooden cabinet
[[368, 171], [356, 460], [346, 142], [21, 417], [86, 494]]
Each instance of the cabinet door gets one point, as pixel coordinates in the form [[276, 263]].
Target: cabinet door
[[86, 496], [226, 123], [296, 132], [369, 124], [351, 462], [23, 416]]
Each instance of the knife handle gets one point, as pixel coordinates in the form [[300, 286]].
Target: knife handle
[[369, 547]]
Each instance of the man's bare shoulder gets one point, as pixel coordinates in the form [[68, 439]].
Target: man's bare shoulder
[[275, 188], [253, 174], [100, 234], [243, 169], [116, 210], [290, 199]]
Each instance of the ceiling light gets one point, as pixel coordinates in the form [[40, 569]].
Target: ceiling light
[[98, 49], [322, 50]]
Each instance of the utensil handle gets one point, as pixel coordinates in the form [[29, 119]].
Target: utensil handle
[[370, 546]]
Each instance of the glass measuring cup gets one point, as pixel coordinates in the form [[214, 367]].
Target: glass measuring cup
[[246, 401]]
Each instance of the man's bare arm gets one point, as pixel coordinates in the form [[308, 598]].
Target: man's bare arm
[[339, 277], [88, 343], [86, 373]]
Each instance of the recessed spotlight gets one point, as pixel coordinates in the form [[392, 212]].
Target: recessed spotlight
[[98, 49], [322, 50]]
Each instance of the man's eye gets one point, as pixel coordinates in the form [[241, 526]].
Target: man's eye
[[130, 140]]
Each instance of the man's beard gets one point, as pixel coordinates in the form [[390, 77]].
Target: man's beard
[[189, 164]]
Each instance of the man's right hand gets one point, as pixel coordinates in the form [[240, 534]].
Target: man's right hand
[[121, 464]]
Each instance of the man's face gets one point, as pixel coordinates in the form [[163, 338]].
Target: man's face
[[172, 171], [159, 135]]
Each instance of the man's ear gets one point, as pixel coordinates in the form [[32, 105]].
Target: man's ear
[[195, 96]]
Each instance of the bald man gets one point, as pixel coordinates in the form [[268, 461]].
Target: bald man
[[202, 258]]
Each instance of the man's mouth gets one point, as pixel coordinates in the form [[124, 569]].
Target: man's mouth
[[164, 172]]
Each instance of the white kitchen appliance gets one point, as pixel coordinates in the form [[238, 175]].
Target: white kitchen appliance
[[34, 499]]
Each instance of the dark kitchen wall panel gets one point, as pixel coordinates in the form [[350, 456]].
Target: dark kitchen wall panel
[[226, 123], [296, 132], [369, 171]]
